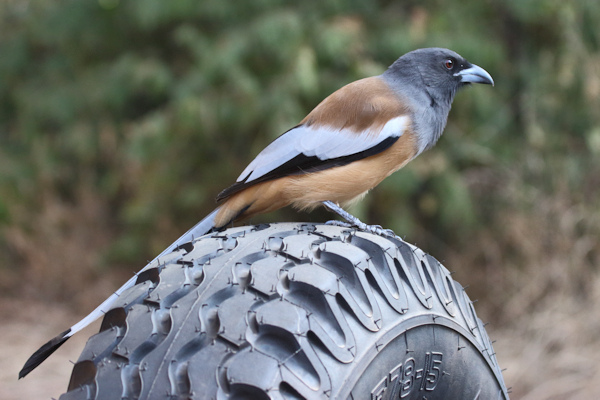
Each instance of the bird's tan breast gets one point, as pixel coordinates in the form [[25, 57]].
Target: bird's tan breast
[[345, 183]]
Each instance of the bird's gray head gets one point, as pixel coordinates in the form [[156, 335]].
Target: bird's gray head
[[441, 72], [429, 78]]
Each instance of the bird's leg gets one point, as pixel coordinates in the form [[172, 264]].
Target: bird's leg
[[353, 221]]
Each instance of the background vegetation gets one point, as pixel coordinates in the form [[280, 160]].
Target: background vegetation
[[121, 120]]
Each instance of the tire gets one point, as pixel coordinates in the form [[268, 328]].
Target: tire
[[291, 311]]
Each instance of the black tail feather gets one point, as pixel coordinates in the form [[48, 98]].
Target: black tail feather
[[44, 352]]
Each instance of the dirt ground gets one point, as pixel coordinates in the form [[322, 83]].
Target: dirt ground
[[550, 356]]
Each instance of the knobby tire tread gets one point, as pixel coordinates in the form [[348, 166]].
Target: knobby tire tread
[[290, 311]]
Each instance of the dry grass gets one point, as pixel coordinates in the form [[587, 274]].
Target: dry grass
[[57, 251], [552, 354]]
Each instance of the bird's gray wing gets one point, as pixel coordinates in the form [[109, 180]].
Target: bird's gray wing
[[313, 145]]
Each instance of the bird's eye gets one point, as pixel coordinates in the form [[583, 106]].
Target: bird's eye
[[449, 63]]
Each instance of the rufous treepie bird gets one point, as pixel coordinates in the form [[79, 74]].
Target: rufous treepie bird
[[346, 146]]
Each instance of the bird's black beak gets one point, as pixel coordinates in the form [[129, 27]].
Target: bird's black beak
[[475, 74]]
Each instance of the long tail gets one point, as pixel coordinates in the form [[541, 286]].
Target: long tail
[[201, 228]]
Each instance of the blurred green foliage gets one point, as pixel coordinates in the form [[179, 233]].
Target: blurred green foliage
[[129, 116]]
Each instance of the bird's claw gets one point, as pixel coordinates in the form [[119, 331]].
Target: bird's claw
[[355, 222], [378, 230]]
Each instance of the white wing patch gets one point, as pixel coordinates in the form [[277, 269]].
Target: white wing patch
[[321, 142]]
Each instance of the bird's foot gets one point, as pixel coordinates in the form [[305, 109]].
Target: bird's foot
[[352, 221]]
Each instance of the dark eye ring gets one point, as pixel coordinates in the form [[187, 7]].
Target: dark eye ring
[[449, 63]]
